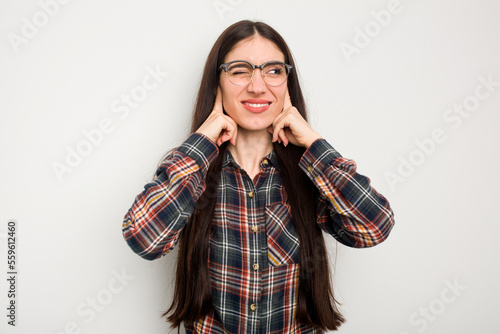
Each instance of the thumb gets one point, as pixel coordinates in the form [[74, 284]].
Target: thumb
[[288, 102], [218, 101]]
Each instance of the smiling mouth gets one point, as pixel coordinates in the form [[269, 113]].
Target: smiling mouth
[[257, 105]]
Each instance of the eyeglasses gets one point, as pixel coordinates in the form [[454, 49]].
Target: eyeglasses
[[240, 72]]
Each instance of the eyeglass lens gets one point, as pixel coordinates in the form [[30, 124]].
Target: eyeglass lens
[[240, 73]]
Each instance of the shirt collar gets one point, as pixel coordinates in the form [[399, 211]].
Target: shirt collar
[[271, 158]]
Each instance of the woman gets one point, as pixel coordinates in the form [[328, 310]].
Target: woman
[[247, 196]]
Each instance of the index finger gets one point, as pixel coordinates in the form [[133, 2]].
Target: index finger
[[218, 101], [288, 102]]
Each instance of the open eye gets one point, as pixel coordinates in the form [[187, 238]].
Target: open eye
[[274, 69]]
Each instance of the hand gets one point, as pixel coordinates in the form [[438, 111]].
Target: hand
[[217, 126], [290, 126]]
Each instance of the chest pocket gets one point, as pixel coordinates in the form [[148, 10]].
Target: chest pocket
[[282, 239]]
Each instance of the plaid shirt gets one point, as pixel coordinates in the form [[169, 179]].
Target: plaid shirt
[[253, 259]]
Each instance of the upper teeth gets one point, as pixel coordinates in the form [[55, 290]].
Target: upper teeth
[[257, 105]]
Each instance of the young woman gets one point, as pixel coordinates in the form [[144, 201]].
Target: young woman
[[247, 196]]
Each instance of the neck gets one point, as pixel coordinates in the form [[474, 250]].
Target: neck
[[251, 146]]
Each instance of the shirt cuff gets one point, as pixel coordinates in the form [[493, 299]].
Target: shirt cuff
[[201, 149], [318, 156], [198, 147]]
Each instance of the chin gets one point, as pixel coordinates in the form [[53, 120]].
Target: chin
[[255, 124], [253, 127]]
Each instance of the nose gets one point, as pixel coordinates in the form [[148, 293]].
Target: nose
[[257, 84]]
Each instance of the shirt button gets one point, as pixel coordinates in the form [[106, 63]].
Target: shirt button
[[256, 266], [253, 307], [251, 194], [265, 162], [309, 168], [255, 229]]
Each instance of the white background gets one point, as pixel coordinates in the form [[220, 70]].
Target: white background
[[374, 106]]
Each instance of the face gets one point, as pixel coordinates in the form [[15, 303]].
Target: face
[[255, 105]]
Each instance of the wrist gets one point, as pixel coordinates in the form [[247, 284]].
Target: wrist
[[312, 140], [206, 136], [202, 131]]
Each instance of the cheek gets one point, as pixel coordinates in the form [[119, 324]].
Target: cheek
[[229, 104], [280, 105], [227, 97], [280, 96], [230, 98]]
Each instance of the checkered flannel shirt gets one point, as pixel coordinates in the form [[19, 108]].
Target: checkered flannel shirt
[[254, 251]]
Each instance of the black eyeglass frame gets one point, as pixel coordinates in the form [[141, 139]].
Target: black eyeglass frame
[[261, 67]]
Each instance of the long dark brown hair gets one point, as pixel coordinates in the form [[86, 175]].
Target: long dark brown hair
[[192, 298]]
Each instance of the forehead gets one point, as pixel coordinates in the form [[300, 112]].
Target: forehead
[[256, 50]]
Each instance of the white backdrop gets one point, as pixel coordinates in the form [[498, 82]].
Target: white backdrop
[[95, 92]]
